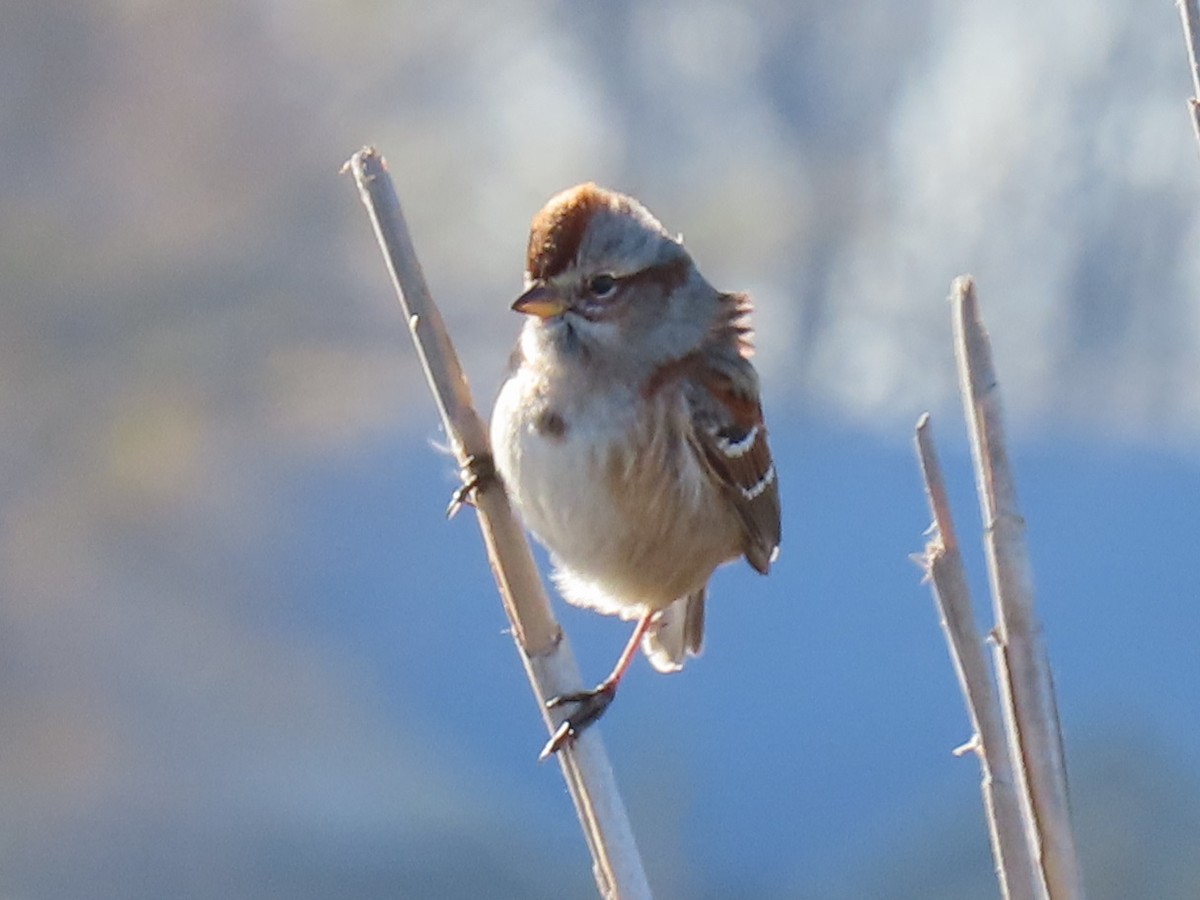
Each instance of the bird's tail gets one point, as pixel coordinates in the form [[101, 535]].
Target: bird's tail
[[677, 634]]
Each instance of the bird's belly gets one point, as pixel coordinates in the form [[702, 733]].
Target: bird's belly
[[633, 523]]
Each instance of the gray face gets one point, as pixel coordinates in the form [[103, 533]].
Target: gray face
[[615, 279]]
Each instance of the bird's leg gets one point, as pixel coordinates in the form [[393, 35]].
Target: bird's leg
[[478, 473], [593, 703]]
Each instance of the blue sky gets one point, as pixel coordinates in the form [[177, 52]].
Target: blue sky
[[825, 699]]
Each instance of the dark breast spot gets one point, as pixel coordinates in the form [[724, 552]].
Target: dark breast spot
[[550, 424]]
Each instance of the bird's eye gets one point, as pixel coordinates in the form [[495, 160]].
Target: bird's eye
[[602, 286]]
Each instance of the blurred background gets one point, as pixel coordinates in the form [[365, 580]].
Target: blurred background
[[243, 655]]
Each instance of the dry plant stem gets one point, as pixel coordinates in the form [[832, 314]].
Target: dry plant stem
[[1189, 12], [544, 650], [1026, 683], [1014, 868]]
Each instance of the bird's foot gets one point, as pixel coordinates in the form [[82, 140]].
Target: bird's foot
[[478, 473], [591, 706]]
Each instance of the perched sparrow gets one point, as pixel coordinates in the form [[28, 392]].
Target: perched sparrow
[[629, 432]]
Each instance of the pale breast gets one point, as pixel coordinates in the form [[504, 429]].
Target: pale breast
[[612, 488]]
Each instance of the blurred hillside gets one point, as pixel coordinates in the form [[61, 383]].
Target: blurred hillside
[[226, 601]]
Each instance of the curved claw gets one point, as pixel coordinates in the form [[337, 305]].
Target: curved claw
[[478, 473], [592, 705], [562, 736]]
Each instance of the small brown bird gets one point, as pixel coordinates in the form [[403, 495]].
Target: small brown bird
[[630, 432]]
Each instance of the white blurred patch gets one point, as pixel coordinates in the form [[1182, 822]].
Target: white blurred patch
[[1030, 150]]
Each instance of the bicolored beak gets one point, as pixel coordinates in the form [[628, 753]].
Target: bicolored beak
[[542, 301]]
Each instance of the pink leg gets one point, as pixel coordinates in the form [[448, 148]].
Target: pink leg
[[593, 703], [626, 657]]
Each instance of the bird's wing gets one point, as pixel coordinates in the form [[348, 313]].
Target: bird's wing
[[730, 437]]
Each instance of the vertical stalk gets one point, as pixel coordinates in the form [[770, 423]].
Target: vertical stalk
[[541, 644], [1026, 683], [943, 563]]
